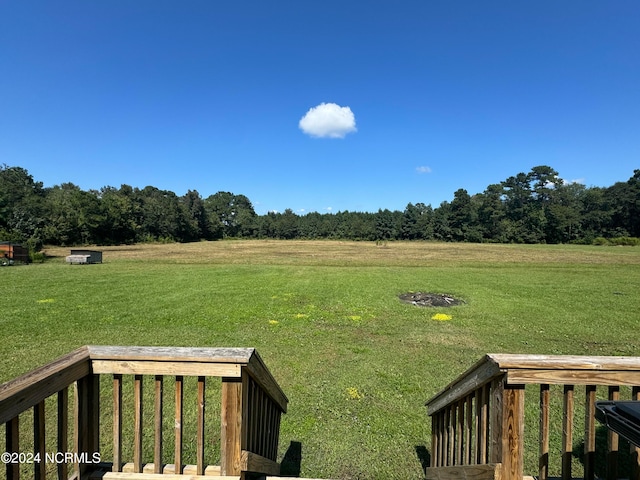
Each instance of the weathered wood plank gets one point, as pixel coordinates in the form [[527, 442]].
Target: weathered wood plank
[[171, 354], [251, 462], [169, 469], [562, 362], [263, 377], [26, 391], [479, 374], [158, 476], [147, 367], [468, 472], [574, 377]]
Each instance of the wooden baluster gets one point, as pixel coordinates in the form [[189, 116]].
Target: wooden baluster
[[262, 434], [482, 406], [590, 432], [137, 428], [453, 421], [567, 431], [460, 432], [468, 431], [177, 462], [39, 448], [445, 436], [62, 436], [158, 406], [13, 445], [435, 439], [117, 423], [635, 451], [543, 458], [612, 441], [270, 428], [200, 432], [276, 437]]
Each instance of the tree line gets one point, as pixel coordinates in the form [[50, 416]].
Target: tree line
[[533, 207]]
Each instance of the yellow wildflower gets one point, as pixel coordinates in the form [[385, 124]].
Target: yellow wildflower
[[353, 393]]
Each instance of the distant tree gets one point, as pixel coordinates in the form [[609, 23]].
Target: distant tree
[[21, 206], [491, 214], [442, 222], [120, 214], [74, 216], [233, 212]]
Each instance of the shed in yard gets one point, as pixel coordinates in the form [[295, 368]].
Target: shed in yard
[[83, 256], [13, 252]]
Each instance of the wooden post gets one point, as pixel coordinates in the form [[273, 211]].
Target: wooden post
[[87, 420], [231, 426], [507, 428]]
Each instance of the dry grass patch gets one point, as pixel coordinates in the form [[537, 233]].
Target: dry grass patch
[[327, 252]]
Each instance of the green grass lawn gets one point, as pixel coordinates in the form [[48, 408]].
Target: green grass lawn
[[355, 362]]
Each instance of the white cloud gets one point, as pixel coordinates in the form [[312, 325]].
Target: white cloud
[[423, 169], [328, 120]]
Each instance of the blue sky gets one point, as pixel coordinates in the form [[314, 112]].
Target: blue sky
[[208, 95]]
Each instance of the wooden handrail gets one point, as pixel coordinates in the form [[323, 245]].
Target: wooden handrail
[[478, 419], [252, 403]]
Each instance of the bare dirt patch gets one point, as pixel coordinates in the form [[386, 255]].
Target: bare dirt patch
[[421, 299]]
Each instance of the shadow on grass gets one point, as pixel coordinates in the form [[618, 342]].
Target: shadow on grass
[[291, 462], [424, 456], [620, 460]]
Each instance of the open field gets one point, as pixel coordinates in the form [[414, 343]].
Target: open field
[[355, 362]]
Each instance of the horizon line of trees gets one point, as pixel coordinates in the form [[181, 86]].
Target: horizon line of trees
[[533, 207]]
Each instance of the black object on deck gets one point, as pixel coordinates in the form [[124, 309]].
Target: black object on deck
[[623, 417]]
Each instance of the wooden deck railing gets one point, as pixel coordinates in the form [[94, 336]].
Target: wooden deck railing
[[250, 410], [478, 420]]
